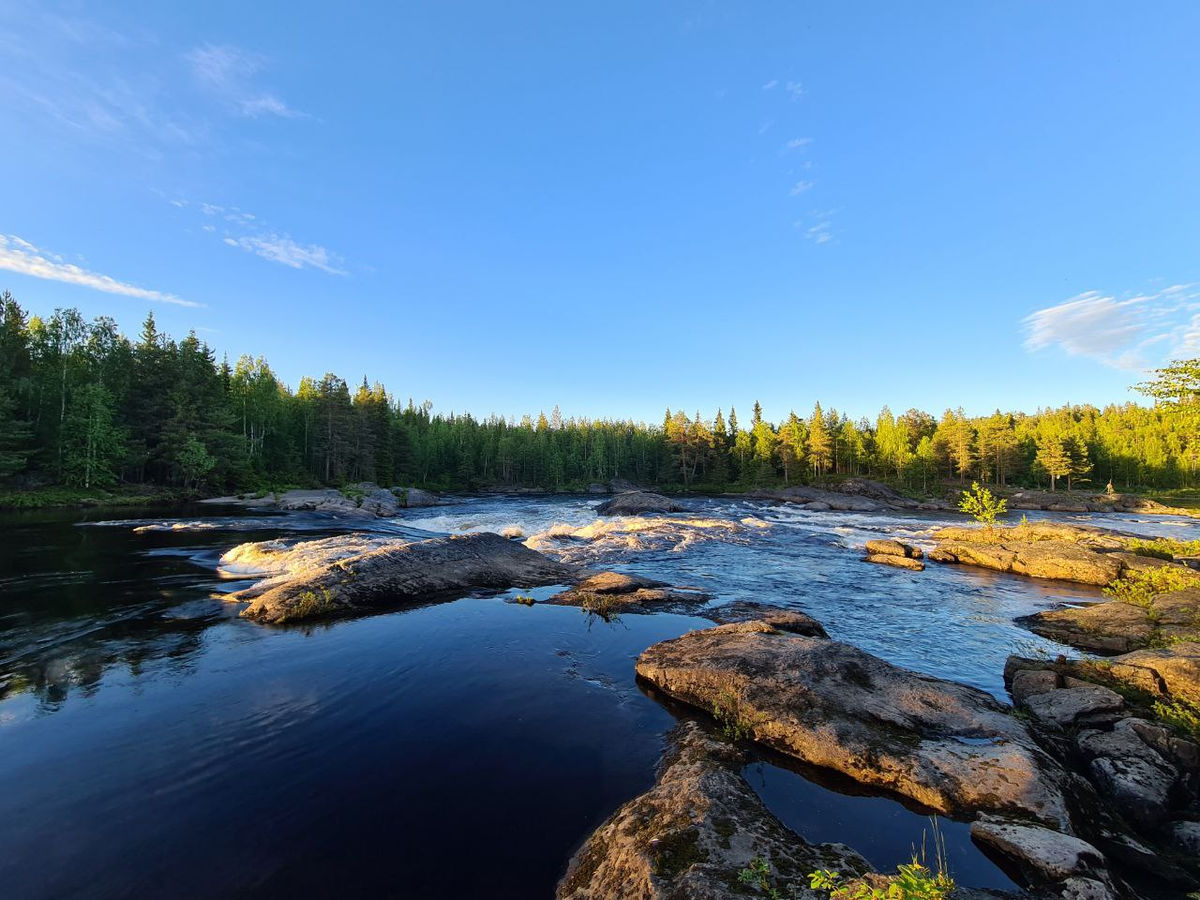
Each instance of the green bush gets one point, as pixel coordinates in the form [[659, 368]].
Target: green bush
[[980, 504]]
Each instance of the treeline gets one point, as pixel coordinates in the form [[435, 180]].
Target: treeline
[[81, 405]]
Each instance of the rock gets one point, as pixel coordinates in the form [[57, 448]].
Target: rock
[[816, 506], [1031, 682], [1138, 789], [947, 746], [788, 620], [1060, 560], [413, 498], [1041, 854], [1069, 706], [692, 832], [1186, 836], [1119, 627], [596, 488], [636, 503], [610, 593], [1089, 536], [278, 561], [900, 562], [807, 496], [403, 573], [1175, 669], [893, 548]]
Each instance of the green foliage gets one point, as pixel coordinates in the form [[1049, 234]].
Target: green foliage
[[912, 881], [1182, 714], [735, 717], [757, 875], [982, 505], [1164, 548], [1141, 587]]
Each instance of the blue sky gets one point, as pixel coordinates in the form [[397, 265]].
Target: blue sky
[[621, 206]]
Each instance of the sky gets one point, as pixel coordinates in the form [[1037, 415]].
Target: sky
[[621, 206]]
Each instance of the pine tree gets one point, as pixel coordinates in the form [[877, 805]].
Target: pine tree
[[820, 446], [1053, 458]]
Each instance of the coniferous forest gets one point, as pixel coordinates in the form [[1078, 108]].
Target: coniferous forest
[[83, 406]]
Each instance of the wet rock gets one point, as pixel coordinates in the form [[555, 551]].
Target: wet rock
[[900, 562], [692, 832], [1069, 706], [1139, 790], [893, 548], [403, 573], [788, 620], [609, 593], [1119, 627], [278, 561], [636, 503], [413, 498], [1041, 854], [950, 747]]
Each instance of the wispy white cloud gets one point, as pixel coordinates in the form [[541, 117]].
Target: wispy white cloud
[[1131, 333], [771, 85], [229, 73], [248, 232], [282, 249], [794, 89], [800, 187], [799, 143], [19, 255]]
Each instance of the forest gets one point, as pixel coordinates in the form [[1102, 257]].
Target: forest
[[82, 406]]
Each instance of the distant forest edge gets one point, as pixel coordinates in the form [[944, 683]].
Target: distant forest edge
[[83, 407]]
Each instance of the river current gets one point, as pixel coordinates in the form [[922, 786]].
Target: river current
[[154, 744]]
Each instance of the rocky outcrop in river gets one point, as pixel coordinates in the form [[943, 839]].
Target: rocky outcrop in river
[[1116, 626], [692, 833], [365, 499], [389, 574], [1082, 554], [636, 503], [949, 747]]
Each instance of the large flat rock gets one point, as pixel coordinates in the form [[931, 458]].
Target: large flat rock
[[949, 747], [1119, 627], [402, 573]]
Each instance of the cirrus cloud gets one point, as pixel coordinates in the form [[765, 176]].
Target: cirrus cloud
[[20, 256], [1131, 333]]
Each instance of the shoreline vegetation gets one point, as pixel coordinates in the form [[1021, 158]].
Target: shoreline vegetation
[[84, 408]]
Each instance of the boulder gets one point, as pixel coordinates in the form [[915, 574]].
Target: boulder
[[900, 562], [788, 620], [692, 832], [1069, 706], [1041, 854], [947, 746], [636, 503], [893, 548], [1119, 627], [1174, 669], [403, 573]]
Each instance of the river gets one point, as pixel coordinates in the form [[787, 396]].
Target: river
[[152, 743]]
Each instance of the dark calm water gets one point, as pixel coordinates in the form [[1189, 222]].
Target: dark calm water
[[153, 744]]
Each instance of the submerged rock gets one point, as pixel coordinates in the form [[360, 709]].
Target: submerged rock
[[951, 748], [611, 593], [636, 503], [692, 832], [404, 572]]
